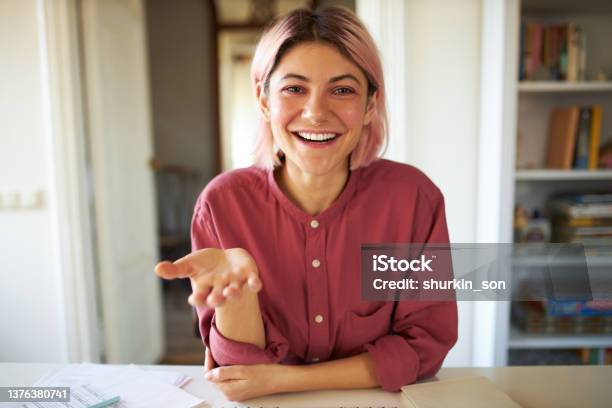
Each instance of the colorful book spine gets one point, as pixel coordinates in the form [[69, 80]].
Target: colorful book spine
[[595, 137], [581, 157]]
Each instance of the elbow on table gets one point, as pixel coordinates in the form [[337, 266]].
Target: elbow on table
[[429, 370]]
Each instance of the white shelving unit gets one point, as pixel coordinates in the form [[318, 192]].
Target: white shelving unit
[[556, 86], [514, 131], [520, 341], [570, 175]]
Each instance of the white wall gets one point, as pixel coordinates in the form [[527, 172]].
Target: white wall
[[431, 58], [31, 311], [443, 46]]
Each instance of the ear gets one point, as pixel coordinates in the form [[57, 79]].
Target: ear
[[370, 108], [262, 101]]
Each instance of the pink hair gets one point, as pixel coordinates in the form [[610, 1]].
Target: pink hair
[[344, 30]]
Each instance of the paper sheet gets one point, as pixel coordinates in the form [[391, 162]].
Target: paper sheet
[[136, 387]]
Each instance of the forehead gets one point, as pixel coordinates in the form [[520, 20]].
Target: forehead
[[316, 61]]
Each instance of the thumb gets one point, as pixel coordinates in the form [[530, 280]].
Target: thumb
[[179, 269], [209, 362], [223, 374]]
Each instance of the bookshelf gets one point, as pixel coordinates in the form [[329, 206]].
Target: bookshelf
[[522, 119]]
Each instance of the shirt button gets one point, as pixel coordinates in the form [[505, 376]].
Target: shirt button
[[318, 318], [314, 224], [316, 263], [315, 360]]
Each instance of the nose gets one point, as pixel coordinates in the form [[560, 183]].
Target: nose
[[316, 109]]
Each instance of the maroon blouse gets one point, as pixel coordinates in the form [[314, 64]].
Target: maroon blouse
[[310, 269]]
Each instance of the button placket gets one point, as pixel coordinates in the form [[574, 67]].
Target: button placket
[[317, 291]]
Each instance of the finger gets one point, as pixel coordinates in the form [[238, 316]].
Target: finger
[[254, 283], [232, 291], [166, 270], [215, 299], [190, 265], [209, 364], [170, 270], [200, 291], [224, 374], [198, 298], [233, 390]]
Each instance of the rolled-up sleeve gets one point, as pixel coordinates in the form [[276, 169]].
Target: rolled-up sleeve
[[422, 332], [226, 351], [229, 352]]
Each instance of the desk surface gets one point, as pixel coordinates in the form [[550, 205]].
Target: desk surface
[[577, 386]]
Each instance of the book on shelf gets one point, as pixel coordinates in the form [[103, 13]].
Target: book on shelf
[[574, 135], [589, 356], [541, 317], [585, 219], [594, 137], [571, 222], [569, 308], [576, 53], [597, 205], [552, 52], [581, 153], [562, 137]]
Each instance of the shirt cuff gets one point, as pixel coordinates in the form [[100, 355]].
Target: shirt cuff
[[395, 362], [227, 352]]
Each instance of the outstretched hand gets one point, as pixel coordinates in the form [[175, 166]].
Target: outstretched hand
[[216, 275]]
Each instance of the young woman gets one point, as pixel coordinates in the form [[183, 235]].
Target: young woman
[[275, 267]]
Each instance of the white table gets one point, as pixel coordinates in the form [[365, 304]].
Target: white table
[[579, 386]]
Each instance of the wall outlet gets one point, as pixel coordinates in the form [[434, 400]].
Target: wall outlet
[[9, 199], [24, 199], [32, 199]]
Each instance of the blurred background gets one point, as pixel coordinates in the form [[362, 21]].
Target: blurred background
[[114, 114]]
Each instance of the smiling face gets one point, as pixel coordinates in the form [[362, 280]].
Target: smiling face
[[317, 105]]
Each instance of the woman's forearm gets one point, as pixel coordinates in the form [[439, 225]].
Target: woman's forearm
[[240, 319], [346, 373]]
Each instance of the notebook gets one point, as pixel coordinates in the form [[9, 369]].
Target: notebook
[[471, 392]]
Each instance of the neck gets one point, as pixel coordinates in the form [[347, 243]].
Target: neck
[[312, 193]]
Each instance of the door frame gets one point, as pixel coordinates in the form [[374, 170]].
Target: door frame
[[71, 192]]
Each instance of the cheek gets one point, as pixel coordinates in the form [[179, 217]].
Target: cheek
[[351, 114], [282, 111]]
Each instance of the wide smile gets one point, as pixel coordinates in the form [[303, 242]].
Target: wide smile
[[317, 138]]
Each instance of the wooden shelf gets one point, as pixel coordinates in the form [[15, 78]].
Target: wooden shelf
[[545, 175], [521, 340], [561, 86]]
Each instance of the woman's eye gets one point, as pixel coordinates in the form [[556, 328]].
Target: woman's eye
[[343, 91], [294, 89]]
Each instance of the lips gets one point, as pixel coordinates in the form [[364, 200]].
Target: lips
[[316, 137]]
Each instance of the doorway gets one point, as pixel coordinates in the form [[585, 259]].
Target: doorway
[[199, 61]]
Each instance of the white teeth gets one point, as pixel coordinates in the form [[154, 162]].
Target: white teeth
[[319, 137]]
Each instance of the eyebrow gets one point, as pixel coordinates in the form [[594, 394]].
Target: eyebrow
[[332, 80]]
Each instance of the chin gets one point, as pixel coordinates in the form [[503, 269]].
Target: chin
[[320, 167]]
